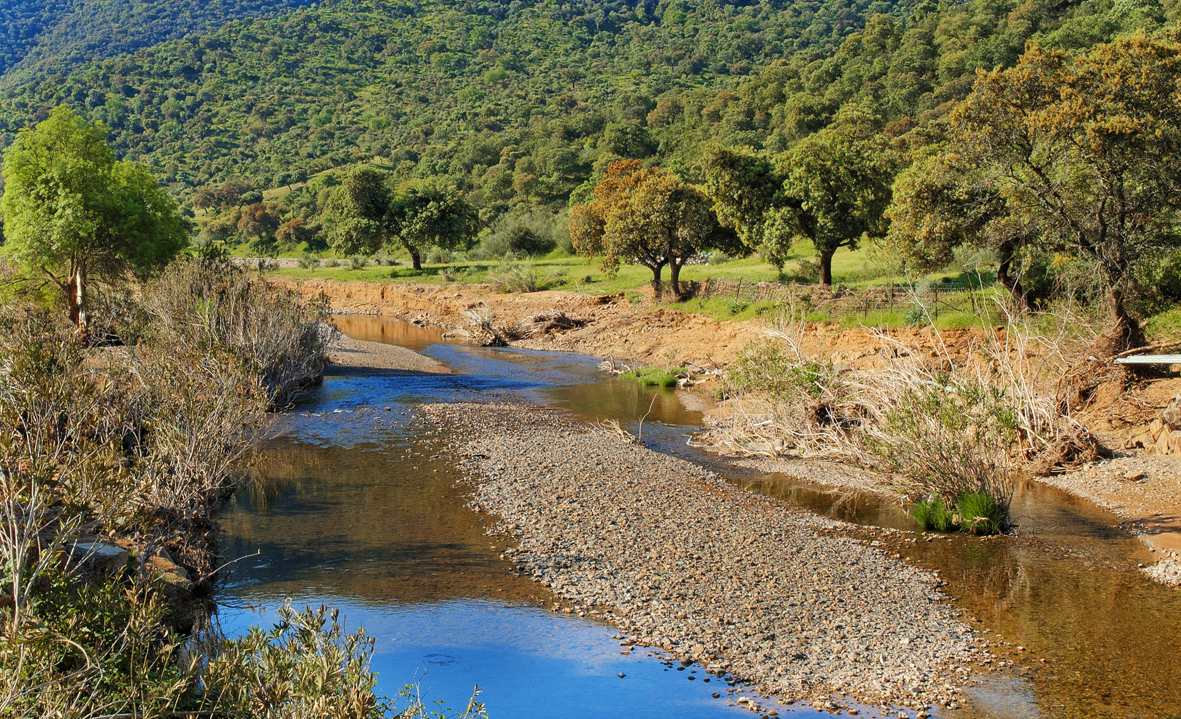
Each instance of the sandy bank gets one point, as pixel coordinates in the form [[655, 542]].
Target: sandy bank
[[681, 560], [350, 356]]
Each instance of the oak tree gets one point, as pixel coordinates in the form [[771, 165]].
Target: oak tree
[[1087, 149]]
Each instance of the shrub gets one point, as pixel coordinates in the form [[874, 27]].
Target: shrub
[[932, 514], [332, 262], [513, 278], [735, 305], [308, 261], [525, 234], [200, 306], [438, 256], [719, 258], [916, 316], [358, 262]]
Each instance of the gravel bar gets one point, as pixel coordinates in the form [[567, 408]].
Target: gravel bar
[[681, 560]]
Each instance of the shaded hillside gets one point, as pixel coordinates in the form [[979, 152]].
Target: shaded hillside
[[37, 36]]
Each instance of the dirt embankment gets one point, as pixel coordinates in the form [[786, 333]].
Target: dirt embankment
[[608, 325]]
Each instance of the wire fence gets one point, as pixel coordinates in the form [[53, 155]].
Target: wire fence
[[844, 301]]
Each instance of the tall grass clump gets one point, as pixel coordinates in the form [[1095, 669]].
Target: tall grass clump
[[653, 376], [203, 306], [512, 277], [308, 261], [955, 429], [932, 513]]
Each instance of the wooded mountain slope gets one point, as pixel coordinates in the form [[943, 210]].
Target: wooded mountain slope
[[524, 103], [37, 36]]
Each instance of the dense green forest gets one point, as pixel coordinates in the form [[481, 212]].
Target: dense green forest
[[523, 104], [41, 36], [452, 87]]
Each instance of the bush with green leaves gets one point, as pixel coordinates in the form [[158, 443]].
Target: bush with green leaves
[[358, 262], [308, 261]]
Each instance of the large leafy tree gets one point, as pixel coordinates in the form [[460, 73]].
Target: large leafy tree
[[831, 188], [648, 216], [836, 188], [942, 202], [429, 213], [364, 215], [1087, 149], [72, 212], [356, 213]]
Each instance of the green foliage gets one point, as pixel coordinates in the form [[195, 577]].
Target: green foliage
[[981, 513], [306, 665], [654, 376], [649, 217], [1085, 148], [766, 366], [60, 34], [516, 103], [357, 262], [513, 277], [72, 211], [932, 514]]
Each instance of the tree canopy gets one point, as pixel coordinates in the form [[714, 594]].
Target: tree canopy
[[365, 215], [832, 188], [1085, 149], [647, 216], [71, 210]]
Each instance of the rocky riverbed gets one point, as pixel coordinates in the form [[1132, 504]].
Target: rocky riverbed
[[679, 559]]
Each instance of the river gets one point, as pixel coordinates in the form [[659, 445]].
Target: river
[[356, 509]]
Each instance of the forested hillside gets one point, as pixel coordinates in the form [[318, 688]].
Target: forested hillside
[[522, 104], [38, 36]]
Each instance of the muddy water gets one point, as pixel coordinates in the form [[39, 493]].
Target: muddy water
[[1065, 587], [355, 512]]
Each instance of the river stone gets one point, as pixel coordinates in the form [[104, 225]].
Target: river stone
[[99, 556]]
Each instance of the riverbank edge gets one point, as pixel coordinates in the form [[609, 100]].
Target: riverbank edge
[[503, 446]]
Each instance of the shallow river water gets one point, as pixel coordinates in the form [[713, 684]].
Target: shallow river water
[[355, 510]]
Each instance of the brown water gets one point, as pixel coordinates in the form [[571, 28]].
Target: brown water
[[357, 514], [1065, 586]]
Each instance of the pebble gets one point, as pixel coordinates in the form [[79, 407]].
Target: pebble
[[678, 559]]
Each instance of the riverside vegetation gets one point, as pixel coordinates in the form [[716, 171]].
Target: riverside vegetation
[[135, 447]]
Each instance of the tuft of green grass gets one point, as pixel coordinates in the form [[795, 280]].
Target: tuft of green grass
[[980, 513], [654, 376], [932, 514]]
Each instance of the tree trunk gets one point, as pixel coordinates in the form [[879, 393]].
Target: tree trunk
[[415, 259], [674, 279], [1127, 332], [826, 268], [76, 297], [1010, 282], [656, 270]]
